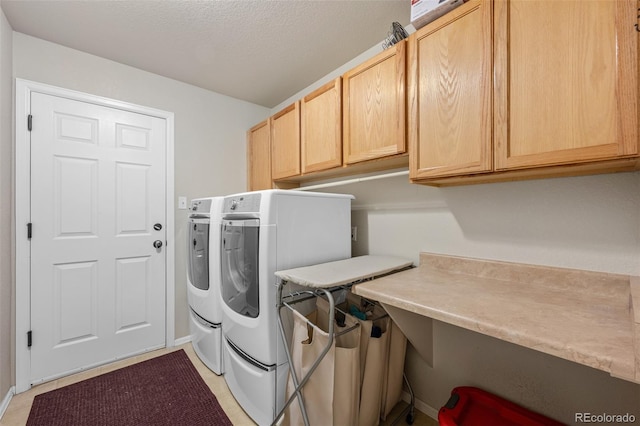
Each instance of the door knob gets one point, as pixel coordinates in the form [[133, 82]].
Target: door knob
[[157, 244]]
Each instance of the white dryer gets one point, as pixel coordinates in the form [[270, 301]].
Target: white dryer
[[262, 232], [203, 281]]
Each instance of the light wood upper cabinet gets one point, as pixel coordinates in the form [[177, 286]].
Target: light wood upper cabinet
[[566, 76], [321, 128], [259, 157], [285, 142], [495, 90], [374, 107], [449, 94]]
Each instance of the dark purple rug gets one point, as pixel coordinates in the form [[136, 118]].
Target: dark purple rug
[[166, 390]]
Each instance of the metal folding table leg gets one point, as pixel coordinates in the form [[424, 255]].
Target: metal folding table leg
[[298, 386]]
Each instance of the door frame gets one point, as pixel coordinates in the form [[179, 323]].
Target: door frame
[[22, 205]]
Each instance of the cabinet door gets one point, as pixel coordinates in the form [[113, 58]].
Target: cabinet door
[[374, 107], [449, 94], [321, 128], [566, 75], [259, 157], [285, 142]]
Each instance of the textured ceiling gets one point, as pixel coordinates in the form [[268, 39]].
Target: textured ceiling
[[259, 51]]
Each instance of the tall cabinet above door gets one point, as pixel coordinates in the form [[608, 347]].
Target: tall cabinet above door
[[259, 157], [285, 142]]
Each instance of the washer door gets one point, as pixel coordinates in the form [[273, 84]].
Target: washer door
[[198, 268], [240, 266]]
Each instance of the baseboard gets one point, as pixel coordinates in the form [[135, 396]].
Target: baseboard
[[7, 400], [183, 340], [421, 406]]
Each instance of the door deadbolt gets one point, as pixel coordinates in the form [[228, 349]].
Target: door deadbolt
[[157, 244], [157, 226]]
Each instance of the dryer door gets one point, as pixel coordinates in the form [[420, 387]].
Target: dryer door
[[240, 266]]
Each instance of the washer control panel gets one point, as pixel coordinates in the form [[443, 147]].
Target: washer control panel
[[202, 206], [242, 204]]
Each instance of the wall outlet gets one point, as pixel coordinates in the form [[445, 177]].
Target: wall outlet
[[354, 233]]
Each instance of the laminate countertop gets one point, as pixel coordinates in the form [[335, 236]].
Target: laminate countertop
[[587, 317]]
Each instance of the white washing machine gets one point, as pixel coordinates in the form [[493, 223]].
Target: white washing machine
[[203, 281], [263, 232]]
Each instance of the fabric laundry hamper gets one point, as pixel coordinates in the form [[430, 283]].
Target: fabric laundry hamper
[[333, 390], [392, 388], [381, 360], [360, 378]]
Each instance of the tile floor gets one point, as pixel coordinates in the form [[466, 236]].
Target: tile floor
[[18, 410]]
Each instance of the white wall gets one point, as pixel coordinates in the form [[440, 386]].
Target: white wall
[[589, 222], [210, 129], [335, 73], [6, 206]]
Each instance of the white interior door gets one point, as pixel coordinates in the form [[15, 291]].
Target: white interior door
[[97, 190]]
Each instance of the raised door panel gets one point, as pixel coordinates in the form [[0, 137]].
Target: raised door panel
[[449, 93], [285, 142], [374, 107], [321, 128], [75, 197], [74, 303], [133, 282], [132, 195], [259, 157], [566, 82]]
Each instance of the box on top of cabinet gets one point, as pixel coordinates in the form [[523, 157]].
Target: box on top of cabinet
[[425, 11]]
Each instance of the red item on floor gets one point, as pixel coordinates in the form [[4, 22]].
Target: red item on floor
[[475, 407]]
